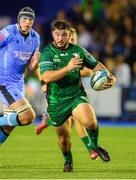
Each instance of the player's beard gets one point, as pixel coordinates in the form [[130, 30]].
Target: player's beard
[[61, 47]]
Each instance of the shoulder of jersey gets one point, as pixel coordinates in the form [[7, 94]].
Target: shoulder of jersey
[[47, 48], [34, 33], [11, 28], [75, 46]]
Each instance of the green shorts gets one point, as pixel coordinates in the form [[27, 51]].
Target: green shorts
[[60, 112]]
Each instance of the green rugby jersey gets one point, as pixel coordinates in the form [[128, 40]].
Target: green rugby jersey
[[70, 85]]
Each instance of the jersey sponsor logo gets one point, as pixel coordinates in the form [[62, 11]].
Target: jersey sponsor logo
[[56, 60], [47, 62], [56, 56], [22, 55], [64, 54]]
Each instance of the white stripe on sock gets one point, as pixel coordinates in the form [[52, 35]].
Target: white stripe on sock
[[8, 116]]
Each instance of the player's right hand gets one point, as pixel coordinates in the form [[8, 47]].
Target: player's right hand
[[74, 63]]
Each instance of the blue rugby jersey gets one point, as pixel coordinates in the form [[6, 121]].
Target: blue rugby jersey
[[15, 53]]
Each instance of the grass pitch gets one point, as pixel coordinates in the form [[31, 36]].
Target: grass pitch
[[28, 156]]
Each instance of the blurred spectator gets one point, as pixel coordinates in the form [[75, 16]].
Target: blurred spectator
[[84, 36], [122, 72], [129, 50], [134, 75], [61, 15], [108, 51], [110, 64], [75, 14]]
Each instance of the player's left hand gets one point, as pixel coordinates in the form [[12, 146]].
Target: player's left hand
[[110, 83], [35, 60], [36, 56]]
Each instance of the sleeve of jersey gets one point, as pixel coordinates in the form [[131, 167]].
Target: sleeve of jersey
[[46, 62], [89, 60], [4, 37]]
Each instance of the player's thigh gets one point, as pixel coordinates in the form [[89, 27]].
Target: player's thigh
[[13, 97], [84, 112]]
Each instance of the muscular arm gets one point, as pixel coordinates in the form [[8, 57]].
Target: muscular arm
[[100, 66], [55, 75]]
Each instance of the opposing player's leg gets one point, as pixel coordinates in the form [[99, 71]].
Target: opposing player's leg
[[23, 114], [20, 111], [64, 142], [81, 130], [86, 115], [43, 124], [4, 133]]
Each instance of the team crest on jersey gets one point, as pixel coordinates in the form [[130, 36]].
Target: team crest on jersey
[[56, 60], [75, 54]]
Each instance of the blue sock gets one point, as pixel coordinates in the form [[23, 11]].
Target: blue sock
[[3, 136], [9, 120]]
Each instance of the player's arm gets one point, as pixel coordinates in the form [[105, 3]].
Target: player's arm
[[95, 65], [4, 37], [47, 68], [85, 72], [34, 62]]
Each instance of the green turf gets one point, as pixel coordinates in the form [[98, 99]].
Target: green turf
[[27, 156]]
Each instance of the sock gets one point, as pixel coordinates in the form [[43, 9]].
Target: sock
[[93, 134], [87, 142], [68, 157], [3, 135], [49, 122], [9, 120]]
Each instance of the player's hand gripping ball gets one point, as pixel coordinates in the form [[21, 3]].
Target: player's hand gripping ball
[[98, 79]]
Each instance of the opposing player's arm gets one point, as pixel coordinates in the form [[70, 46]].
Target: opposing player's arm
[[34, 62]]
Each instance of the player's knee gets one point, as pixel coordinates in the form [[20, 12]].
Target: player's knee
[[91, 125], [26, 114], [64, 141], [27, 117]]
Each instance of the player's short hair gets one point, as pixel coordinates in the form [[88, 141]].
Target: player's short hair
[[27, 12], [60, 25]]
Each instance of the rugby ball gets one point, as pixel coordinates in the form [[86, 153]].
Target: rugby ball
[[98, 79]]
